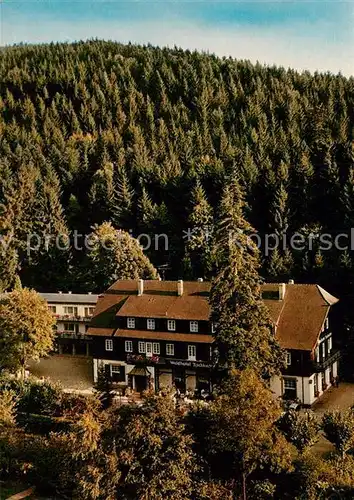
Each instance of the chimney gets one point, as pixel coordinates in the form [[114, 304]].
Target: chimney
[[180, 288], [282, 290], [200, 280], [140, 287], [291, 282]]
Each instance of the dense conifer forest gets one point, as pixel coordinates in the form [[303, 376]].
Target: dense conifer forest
[[146, 137]]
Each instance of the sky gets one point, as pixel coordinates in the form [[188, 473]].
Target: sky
[[305, 35]]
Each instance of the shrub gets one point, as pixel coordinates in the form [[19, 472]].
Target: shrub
[[34, 396]]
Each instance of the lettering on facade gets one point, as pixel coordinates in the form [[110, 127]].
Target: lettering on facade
[[192, 364]]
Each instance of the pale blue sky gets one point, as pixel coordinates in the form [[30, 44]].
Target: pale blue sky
[[317, 35]]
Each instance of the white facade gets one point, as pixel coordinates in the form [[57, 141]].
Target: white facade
[[306, 391], [98, 363], [73, 311]]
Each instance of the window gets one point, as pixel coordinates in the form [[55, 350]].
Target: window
[[289, 388], [326, 324], [141, 347], [52, 309], [70, 310], [288, 359], [156, 348], [69, 327], [131, 322], [191, 352], [317, 354], [193, 326], [128, 346], [148, 347], [117, 373], [170, 349], [89, 311], [109, 345], [329, 346], [171, 325], [151, 324], [213, 327]]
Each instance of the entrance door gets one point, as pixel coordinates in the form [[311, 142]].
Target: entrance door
[[140, 383]]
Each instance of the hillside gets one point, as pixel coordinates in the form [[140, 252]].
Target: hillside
[[145, 138]]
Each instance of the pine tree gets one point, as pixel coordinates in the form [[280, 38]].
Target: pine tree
[[122, 202], [200, 227], [243, 327]]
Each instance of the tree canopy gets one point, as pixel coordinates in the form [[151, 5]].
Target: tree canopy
[[145, 137], [26, 328]]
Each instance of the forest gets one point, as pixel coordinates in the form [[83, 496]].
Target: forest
[[145, 138]]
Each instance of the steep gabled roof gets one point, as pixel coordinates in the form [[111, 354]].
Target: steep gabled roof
[[298, 315], [159, 300]]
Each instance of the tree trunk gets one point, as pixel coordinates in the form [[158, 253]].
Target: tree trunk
[[244, 493]]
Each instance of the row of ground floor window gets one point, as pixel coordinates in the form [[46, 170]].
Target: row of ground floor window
[[142, 377], [189, 379]]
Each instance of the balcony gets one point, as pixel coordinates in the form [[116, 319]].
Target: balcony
[[72, 335], [320, 366], [72, 317]]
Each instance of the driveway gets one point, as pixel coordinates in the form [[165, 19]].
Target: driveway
[[340, 398], [335, 398], [75, 373]]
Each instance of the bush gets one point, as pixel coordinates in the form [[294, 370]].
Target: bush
[[34, 396], [42, 424]]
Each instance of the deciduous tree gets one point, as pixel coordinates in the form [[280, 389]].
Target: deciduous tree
[[114, 254], [26, 329]]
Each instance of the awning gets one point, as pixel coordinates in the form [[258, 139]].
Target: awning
[[141, 371]]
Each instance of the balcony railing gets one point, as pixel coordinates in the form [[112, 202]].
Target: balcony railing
[[321, 365], [72, 317], [72, 335]]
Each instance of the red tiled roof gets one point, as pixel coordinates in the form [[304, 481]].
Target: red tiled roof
[[302, 316], [104, 332], [299, 317], [190, 307], [174, 337]]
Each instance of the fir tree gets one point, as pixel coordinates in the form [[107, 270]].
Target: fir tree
[[200, 226], [243, 328]]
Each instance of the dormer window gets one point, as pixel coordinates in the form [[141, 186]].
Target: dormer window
[[131, 322], [171, 325], [150, 324], [193, 326]]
